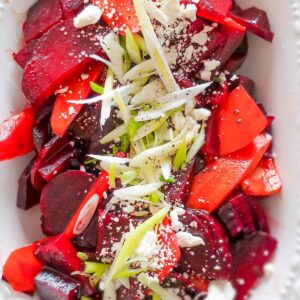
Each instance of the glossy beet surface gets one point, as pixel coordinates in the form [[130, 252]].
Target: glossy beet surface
[[61, 197]]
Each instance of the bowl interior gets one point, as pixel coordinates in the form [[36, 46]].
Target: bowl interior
[[274, 67]]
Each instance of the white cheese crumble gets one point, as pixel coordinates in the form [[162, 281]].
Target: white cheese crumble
[[148, 246], [269, 269], [221, 290], [187, 240], [176, 224], [211, 65], [200, 114], [90, 15]]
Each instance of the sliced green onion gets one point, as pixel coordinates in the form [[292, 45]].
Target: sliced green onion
[[171, 179], [132, 128], [141, 43], [90, 161], [155, 296], [112, 175], [128, 273], [96, 88], [85, 298], [128, 176], [180, 156], [82, 256], [144, 69], [156, 288], [106, 103], [133, 48], [126, 59], [197, 144], [124, 111], [125, 142], [114, 134], [154, 198], [133, 239]]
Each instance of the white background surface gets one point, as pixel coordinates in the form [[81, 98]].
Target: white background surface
[[274, 67]]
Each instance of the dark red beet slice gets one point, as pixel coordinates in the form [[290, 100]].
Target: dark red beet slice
[[89, 238], [27, 195], [70, 8], [258, 213], [246, 82], [223, 256], [41, 134], [215, 95], [177, 192], [61, 197], [59, 253], [52, 285], [211, 260], [136, 291], [25, 54], [250, 255], [43, 15], [49, 150], [110, 231], [61, 52], [255, 20], [237, 59], [57, 164]]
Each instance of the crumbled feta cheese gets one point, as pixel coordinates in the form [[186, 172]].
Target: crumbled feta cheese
[[72, 110], [84, 76], [176, 224], [205, 75], [187, 240], [90, 15], [221, 290], [200, 38], [178, 120], [172, 9], [62, 90], [190, 12], [211, 65], [148, 246], [269, 269], [201, 114]]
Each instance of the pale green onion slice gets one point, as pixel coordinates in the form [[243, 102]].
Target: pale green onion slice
[[106, 103], [112, 175], [95, 267], [124, 111], [133, 48], [166, 167], [128, 273], [157, 13], [154, 48], [143, 69], [149, 93], [128, 176], [155, 296], [96, 88], [132, 240], [114, 134], [110, 292], [152, 284], [110, 159], [140, 190], [141, 42], [196, 146], [180, 156]]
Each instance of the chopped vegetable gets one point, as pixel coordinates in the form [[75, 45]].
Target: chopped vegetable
[[96, 88], [133, 48], [220, 177], [112, 175], [180, 156], [264, 181]]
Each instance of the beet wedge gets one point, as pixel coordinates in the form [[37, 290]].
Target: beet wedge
[[25, 54], [42, 16], [62, 52], [70, 8]]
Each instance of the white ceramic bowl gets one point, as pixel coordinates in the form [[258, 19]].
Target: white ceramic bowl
[[275, 69]]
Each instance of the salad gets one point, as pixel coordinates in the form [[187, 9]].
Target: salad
[[151, 154]]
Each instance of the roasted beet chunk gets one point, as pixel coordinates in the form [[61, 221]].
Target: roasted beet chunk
[[250, 256], [59, 253], [52, 285], [177, 192], [255, 20], [61, 52], [61, 197], [43, 15], [212, 258], [110, 231], [71, 7], [25, 54], [27, 196], [89, 237], [135, 292]]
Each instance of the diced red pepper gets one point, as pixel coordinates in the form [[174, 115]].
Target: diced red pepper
[[240, 121], [211, 186], [170, 250], [119, 14], [264, 181], [99, 187], [21, 267], [63, 112], [121, 154], [16, 135], [200, 283]]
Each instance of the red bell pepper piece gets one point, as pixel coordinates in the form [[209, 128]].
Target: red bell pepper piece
[[264, 181], [21, 267], [211, 186], [63, 112], [170, 250], [200, 283], [240, 121], [87, 208], [16, 135], [119, 14]]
